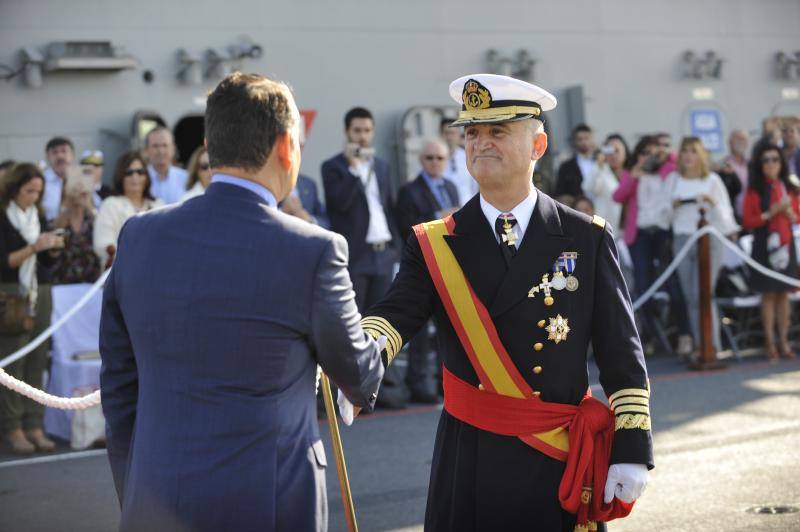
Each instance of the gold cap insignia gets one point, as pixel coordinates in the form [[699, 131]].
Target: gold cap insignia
[[475, 96]]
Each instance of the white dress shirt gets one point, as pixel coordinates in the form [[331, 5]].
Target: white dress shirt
[[172, 188], [457, 172], [587, 166], [522, 212], [51, 200], [378, 230], [196, 190]]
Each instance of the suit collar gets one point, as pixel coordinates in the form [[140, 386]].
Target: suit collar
[[227, 190]]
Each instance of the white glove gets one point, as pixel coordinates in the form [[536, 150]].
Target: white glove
[[345, 406], [626, 482]]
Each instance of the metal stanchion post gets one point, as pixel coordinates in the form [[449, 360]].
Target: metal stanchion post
[[708, 355]]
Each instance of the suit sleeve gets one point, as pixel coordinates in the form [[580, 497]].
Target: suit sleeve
[[407, 213], [119, 382], [567, 182], [341, 187], [318, 210], [407, 306], [347, 355], [619, 356]]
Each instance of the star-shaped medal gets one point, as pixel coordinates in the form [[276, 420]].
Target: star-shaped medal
[[557, 329]]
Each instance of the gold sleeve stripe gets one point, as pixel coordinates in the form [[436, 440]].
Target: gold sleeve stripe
[[385, 327], [632, 408], [636, 392], [393, 339], [632, 421], [630, 401]]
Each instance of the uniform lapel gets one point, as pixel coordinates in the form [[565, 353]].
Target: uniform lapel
[[543, 242], [477, 251]]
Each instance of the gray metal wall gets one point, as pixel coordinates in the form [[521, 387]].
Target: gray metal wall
[[390, 56]]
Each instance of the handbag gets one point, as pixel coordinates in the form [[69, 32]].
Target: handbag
[[15, 316]]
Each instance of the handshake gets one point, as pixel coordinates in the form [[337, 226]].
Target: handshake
[[346, 409]]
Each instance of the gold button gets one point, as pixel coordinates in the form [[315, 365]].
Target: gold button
[[480, 386], [538, 346], [549, 301], [541, 323], [537, 394], [537, 369]]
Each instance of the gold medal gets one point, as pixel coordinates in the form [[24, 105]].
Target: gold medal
[[558, 329]]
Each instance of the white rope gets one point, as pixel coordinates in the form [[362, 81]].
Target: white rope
[[41, 397], [710, 230], [44, 398]]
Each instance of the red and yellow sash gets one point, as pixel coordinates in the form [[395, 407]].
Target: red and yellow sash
[[477, 333]]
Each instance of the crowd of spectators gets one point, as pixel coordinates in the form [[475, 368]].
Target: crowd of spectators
[[60, 224]]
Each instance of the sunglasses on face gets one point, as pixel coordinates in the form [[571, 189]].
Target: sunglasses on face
[[133, 171], [434, 158], [204, 166], [770, 159]]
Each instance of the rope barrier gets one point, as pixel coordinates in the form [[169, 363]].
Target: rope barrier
[[93, 399], [41, 397], [709, 230]]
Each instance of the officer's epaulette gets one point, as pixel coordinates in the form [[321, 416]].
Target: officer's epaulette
[[599, 221]]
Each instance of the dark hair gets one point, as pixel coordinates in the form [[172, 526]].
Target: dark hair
[[621, 139], [580, 128], [5, 165], [445, 122], [245, 114], [356, 112], [583, 198], [55, 142], [152, 131], [17, 177], [757, 180], [124, 161], [644, 143]]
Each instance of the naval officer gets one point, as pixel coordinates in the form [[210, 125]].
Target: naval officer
[[519, 286]]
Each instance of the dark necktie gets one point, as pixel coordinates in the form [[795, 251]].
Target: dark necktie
[[508, 239]]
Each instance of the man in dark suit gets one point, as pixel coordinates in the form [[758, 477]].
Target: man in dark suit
[[304, 203], [428, 197], [210, 343], [519, 287], [358, 197], [574, 173]]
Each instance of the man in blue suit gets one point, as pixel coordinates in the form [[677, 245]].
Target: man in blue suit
[[358, 197], [304, 202], [215, 316]]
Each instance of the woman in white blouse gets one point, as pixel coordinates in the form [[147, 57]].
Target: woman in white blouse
[[695, 187], [611, 162], [131, 195]]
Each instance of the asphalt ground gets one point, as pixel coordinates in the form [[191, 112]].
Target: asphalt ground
[[726, 442]]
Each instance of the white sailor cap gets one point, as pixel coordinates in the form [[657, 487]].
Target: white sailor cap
[[94, 157], [489, 98]]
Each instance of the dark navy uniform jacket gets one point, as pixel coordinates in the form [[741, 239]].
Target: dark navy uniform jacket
[[483, 481], [215, 316]]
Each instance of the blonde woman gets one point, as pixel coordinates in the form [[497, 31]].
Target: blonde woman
[[199, 174], [696, 187]]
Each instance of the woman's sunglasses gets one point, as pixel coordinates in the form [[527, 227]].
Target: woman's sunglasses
[[770, 159], [132, 171], [204, 166]]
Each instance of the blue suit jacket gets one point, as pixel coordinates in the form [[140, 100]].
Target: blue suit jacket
[[307, 191], [346, 201], [215, 316], [417, 204]]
